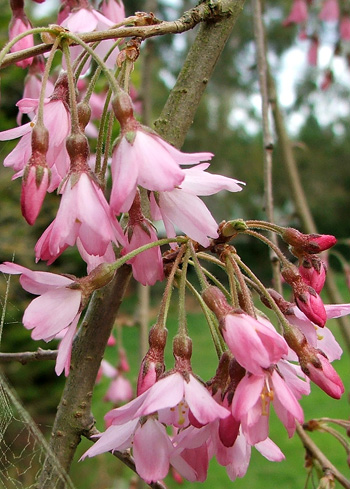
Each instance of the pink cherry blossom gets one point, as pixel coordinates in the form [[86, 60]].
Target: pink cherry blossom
[[57, 122], [45, 314], [18, 25], [254, 343], [151, 465], [330, 11], [120, 390], [146, 160], [311, 304], [84, 214], [298, 13], [181, 207], [345, 28], [147, 267], [251, 403]]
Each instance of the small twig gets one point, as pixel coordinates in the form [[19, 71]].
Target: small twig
[[28, 356], [316, 453], [124, 457]]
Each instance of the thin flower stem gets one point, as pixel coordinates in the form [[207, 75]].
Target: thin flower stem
[[215, 281], [201, 275], [233, 284], [338, 436], [269, 243], [107, 146], [101, 134], [160, 242], [182, 294], [112, 81], [40, 115], [71, 87], [286, 327], [164, 306], [211, 320], [245, 293], [268, 226]]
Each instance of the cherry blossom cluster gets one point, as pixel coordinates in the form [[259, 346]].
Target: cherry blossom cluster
[[311, 16], [109, 202]]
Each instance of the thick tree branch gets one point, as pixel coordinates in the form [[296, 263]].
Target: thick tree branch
[[74, 414], [28, 356], [181, 106]]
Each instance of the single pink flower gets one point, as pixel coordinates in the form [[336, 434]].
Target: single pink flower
[[254, 343], [330, 11], [251, 403], [313, 273], [145, 159], [147, 267], [311, 304], [84, 214], [298, 13], [120, 390], [45, 315], [151, 465], [312, 55], [345, 28], [182, 208], [57, 122], [18, 25]]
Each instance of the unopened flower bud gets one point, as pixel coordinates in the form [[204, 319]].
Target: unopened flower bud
[[307, 243], [216, 301], [35, 182], [84, 114], [321, 372], [313, 271], [123, 109], [230, 228], [311, 304]]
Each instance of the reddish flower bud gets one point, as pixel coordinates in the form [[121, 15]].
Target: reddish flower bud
[[307, 243], [310, 303], [313, 272], [323, 374], [36, 180], [216, 301]]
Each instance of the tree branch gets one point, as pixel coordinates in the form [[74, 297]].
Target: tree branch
[[181, 106], [74, 411], [28, 356], [316, 453], [203, 12]]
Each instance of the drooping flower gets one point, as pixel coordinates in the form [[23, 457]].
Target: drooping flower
[[56, 309], [141, 157], [84, 214], [298, 13], [114, 10], [182, 208], [344, 28], [18, 25], [330, 11]]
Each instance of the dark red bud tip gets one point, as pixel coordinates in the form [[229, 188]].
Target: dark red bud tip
[[216, 301], [40, 139], [123, 109], [307, 243]]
